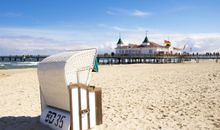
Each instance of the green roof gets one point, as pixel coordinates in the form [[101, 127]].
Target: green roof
[[119, 41], [146, 40]]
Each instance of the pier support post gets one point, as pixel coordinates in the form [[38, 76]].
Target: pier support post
[[119, 61], [129, 61], [197, 60]]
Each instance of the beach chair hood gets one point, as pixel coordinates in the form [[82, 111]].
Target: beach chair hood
[[56, 72]]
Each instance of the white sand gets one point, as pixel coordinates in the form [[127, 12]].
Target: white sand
[[135, 97]]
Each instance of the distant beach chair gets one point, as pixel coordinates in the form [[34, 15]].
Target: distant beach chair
[[67, 102]]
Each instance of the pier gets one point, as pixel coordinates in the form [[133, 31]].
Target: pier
[[22, 58], [160, 59], [123, 59]]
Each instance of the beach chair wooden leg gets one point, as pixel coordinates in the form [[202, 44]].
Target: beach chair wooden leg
[[98, 98]]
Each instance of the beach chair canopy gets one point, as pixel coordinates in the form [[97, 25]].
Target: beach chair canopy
[[57, 71]]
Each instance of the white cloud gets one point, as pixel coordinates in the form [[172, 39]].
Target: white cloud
[[125, 30], [48, 41], [32, 40], [207, 43], [35, 45], [126, 12], [140, 13]]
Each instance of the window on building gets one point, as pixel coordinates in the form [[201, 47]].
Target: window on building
[[150, 51]]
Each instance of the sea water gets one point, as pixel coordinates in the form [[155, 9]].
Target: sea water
[[12, 65]]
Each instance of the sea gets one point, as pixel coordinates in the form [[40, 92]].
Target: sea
[[15, 65]]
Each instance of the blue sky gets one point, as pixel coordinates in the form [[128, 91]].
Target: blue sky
[[48, 26]]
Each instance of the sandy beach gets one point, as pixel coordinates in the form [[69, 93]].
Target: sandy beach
[[135, 97]]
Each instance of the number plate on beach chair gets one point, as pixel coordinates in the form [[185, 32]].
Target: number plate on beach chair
[[55, 118]]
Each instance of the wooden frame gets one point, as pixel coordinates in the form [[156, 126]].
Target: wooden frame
[[98, 102]]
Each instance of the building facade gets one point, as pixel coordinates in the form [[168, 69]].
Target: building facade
[[146, 48]]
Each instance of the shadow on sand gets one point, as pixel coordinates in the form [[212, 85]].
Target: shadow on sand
[[21, 123]]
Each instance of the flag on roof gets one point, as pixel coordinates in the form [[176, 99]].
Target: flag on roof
[[167, 43]]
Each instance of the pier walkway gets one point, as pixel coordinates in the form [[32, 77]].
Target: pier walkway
[[121, 59]]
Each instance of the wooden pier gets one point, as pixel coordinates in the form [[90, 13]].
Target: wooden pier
[[22, 58], [122, 59], [161, 59]]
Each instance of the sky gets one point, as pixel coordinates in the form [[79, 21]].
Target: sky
[[51, 26]]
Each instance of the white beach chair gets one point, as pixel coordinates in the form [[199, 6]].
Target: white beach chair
[[66, 98]]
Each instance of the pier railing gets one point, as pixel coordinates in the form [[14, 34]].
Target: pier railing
[[22, 58], [123, 59], [157, 58]]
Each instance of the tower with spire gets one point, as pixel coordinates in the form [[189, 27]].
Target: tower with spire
[[146, 41], [119, 43]]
